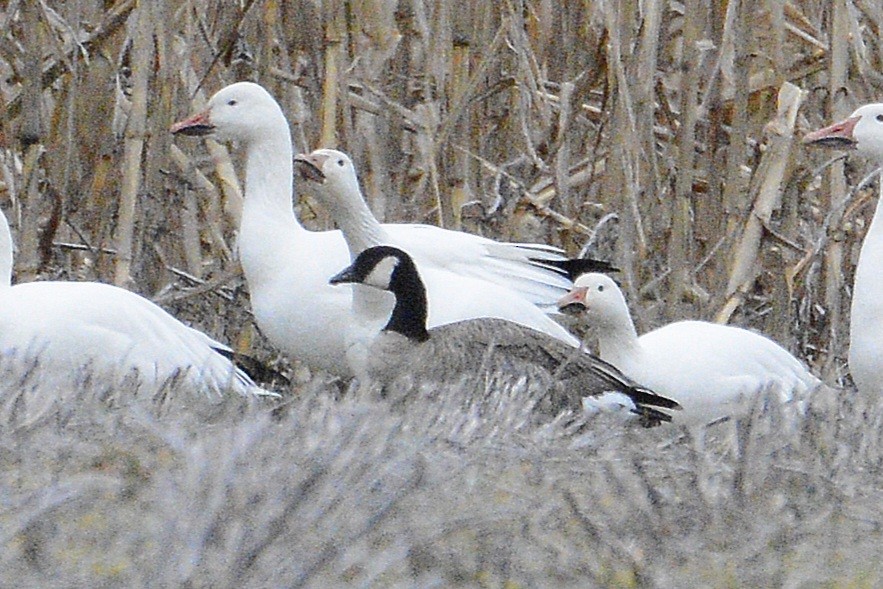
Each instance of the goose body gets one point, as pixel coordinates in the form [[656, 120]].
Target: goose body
[[863, 132], [54, 333], [711, 370], [287, 266], [489, 349]]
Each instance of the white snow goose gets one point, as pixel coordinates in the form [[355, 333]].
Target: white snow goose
[[287, 266], [56, 335], [863, 132], [711, 370], [405, 355]]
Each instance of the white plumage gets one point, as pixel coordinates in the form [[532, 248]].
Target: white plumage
[[711, 370], [54, 334], [863, 131], [287, 267]]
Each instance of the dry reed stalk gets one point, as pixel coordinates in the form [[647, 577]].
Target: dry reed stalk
[[834, 255], [622, 177], [772, 177], [735, 185], [190, 234], [679, 245], [335, 34], [133, 145], [458, 172], [31, 135]]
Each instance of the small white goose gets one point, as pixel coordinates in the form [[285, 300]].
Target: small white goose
[[287, 267], [711, 370], [538, 273], [54, 333], [488, 349], [863, 132]]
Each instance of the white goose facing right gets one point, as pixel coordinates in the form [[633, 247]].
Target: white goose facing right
[[863, 131], [712, 370], [287, 267]]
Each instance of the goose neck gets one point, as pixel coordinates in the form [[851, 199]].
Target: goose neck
[[411, 309], [618, 339], [358, 224], [268, 181]]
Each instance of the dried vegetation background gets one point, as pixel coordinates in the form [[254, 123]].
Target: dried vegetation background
[[661, 135]]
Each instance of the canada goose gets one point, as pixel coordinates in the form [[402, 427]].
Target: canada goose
[[406, 349], [54, 331], [711, 370], [287, 267], [863, 132]]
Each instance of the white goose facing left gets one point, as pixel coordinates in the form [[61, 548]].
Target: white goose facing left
[[863, 131], [462, 280], [712, 370], [287, 266]]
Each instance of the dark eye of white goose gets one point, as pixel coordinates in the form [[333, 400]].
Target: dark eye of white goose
[[232, 102], [600, 288], [340, 163], [880, 118]]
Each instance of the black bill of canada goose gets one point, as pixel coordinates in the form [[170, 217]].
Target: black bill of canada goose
[[404, 348]]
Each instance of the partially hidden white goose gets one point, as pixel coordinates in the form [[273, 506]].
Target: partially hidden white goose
[[55, 335], [462, 279], [405, 354], [712, 370], [863, 132], [287, 266]]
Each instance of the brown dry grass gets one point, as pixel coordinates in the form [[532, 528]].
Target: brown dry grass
[[665, 138]]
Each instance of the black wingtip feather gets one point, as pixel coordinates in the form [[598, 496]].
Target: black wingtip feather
[[575, 267], [642, 396]]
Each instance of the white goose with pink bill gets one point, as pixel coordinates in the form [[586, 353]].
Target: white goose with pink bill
[[460, 280], [862, 131], [711, 370], [287, 266]]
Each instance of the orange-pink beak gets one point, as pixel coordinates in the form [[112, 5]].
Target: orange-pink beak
[[574, 302], [839, 135], [310, 166], [198, 124]]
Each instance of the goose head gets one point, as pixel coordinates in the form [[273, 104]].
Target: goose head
[[861, 131], [596, 297], [329, 170], [383, 267], [243, 112], [389, 268]]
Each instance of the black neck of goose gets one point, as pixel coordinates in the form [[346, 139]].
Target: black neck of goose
[[409, 314]]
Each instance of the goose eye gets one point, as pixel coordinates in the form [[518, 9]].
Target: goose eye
[[231, 102], [880, 118], [600, 288], [340, 163]]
